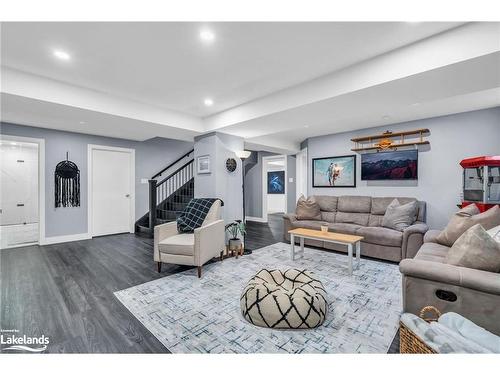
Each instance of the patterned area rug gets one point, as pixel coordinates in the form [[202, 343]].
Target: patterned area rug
[[191, 315]]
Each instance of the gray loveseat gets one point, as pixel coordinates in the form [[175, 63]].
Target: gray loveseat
[[362, 215], [472, 293]]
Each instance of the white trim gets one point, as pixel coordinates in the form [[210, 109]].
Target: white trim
[[131, 151], [19, 245], [257, 219], [301, 166], [264, 183], [41, 179], [67, 238]]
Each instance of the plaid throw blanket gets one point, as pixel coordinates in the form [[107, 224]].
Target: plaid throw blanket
[[194, 214]]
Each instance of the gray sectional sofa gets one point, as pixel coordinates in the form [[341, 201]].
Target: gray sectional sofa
[[428, 280], [362, 215]]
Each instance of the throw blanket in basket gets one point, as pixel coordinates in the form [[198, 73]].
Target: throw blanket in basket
[[452, 333], [194, 214]]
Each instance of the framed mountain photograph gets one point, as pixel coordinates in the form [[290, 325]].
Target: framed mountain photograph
[[393, 165]]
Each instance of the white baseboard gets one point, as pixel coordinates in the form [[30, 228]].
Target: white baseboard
[[257, 219], [68, 238]]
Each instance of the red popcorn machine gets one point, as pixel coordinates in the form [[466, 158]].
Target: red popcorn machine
[[481, 181]]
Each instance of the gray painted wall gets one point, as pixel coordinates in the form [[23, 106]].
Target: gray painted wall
[[150, 157], [253, 185], [452, 138], [220, 183]]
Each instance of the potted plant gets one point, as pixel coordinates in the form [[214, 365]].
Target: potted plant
[[233, 229]]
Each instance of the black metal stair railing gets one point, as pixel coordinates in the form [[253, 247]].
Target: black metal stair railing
[[166, 169], [171, 194]]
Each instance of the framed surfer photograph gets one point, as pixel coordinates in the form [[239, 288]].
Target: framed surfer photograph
[[335, 171], [276, 182]]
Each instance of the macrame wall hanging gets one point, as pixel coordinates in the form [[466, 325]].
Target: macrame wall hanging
[[67, 184]]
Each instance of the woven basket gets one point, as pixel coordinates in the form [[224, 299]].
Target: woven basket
[[409, 342]]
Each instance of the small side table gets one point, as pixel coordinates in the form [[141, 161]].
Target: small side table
[[234, 253]]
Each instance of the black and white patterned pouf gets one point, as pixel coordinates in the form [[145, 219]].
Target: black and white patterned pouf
[[284, 299]]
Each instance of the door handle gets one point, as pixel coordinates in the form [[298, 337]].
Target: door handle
[[20, 205], [127, 195]]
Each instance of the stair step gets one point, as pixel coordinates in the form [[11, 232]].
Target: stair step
[[169, 209], [167, 215]]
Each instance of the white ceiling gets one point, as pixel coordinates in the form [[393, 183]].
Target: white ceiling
[[166, 64], [273, 83]]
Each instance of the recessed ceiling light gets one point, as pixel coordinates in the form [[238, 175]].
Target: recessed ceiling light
[[207, 35], [62, 55], [208, 102], [13, 143], [306, 126], [82, 122], [386, 117], [415, 104]]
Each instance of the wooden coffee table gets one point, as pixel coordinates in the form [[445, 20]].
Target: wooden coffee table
[[343, 239]]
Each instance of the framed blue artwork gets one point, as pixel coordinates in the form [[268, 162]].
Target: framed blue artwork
[[276, 182], [335, 171]]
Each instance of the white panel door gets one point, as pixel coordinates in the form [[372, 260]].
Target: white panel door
[[18, 183], [111, 192]]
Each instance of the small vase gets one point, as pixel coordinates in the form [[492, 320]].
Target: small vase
[[234, 243]]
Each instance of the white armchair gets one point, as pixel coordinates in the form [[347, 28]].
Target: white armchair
[[191, 249]]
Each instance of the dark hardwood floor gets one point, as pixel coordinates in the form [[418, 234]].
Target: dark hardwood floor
[[65, 291], [264, 234]]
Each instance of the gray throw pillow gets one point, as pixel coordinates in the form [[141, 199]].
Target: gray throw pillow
[[307, 209], [400, 216], [475, 249], [465, 219]]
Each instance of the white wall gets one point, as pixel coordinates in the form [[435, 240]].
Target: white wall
[[275, 203], [452, 138]]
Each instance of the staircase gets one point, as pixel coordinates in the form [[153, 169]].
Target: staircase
[[169, 196]]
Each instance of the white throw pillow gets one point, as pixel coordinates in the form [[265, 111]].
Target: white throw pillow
[[495, 233]]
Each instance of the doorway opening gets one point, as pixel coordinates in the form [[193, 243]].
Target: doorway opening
[[22, 200], [274, 182]]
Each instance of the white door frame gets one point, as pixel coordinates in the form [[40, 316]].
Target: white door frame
[[301, 176], [131, 151], [264, 183], [41, 179]]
